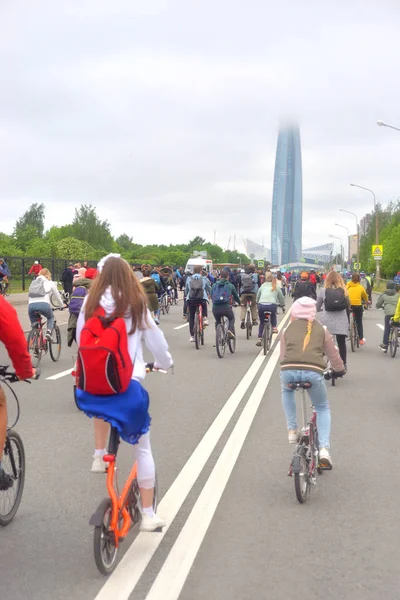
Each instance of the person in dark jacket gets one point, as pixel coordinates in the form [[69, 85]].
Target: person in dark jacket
[[303, 288], [221, 293], [67, 278]]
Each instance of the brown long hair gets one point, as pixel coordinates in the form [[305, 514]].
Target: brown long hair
[[128, 295], [335, 280]]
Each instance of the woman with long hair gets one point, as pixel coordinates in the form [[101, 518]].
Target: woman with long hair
[[304, 344], [333, 301], [118, 292], [269, 297], [40, 292]]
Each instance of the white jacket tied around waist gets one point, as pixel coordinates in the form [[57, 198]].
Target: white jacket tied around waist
[[150, 333], [50, 287]]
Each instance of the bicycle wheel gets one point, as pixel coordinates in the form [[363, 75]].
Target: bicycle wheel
[[394, 339], [248, 326], [231, 344], [55, 344], [353, 336], [300, 472], [7, 289], [34, 347], [13, 463], [105, 551], [266, 337], [220, 340], [167, 304], [196, 331], [53, 301], [202, 334]]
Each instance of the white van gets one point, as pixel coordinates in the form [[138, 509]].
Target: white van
[[206, 263]]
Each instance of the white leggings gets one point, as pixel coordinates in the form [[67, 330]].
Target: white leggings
[[146, 470]]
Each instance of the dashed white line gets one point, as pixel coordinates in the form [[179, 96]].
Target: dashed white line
[[182, 326], [123, 581], [59, 375], [380, 326]]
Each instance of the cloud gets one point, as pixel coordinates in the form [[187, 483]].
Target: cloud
[[164, 114]]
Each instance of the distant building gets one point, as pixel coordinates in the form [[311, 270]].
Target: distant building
[[320, 255], [259, 251], [287, 202], [353, 244]]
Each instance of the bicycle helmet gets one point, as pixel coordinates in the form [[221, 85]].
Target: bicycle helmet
[[304, 275]]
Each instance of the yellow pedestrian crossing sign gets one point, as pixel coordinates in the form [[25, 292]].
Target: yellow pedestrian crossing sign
[[377, 250]]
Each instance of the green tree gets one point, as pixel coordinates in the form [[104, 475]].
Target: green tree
[[8, 247], [125, 242], [30, 225], [41, 248], [73, 249], [89, 228]]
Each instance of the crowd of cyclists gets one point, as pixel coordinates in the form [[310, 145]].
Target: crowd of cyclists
[[116, 297]]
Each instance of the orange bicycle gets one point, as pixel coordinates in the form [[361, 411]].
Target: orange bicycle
[[117, 514], [198, 329]]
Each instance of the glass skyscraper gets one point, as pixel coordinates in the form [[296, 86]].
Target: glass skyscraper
[[287, 202]]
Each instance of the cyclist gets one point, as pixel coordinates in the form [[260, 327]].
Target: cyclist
[[333, 300], [67, 278], [4, 272], [221, 294], [269, 296], [388, 301], [357, 295], [304, 287], [303, 346], [40, 292], [249, 286], [151, 289], [13, 338], [118, 292], [365, 281], [280, 282], [197, 291], [35, 269]]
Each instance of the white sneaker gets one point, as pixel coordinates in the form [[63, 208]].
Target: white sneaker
[[325, 458], [151, 523], [292, 436], [98, 465], [191, 339], [205, 322]]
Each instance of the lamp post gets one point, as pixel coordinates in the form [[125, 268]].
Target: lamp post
[[348, 238], [358, 232], [239, 258], [378, 274], [382, 124], [341, 246]]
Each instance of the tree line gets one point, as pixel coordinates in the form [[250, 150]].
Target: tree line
[[88, 237], [389, 237]]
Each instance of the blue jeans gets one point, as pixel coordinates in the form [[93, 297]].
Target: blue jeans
[[387, 329], [318, 397], [44, 309]]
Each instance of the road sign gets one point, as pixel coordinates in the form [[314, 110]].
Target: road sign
[[377, 250], [260, 264], [377, 257], [357, 266]]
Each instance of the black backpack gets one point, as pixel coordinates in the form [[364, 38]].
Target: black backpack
[[196, 288], [335, 299]]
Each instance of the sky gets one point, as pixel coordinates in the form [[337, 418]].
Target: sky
[[164, 114]]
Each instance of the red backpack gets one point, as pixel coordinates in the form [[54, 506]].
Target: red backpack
[[104, 365], [313, 278]]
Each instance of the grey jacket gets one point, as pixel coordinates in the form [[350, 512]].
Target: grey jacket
[[388, 301]]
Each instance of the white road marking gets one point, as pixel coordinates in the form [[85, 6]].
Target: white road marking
[[59, 375], [124, 579], [172, 576], [182, 326], [380, 326]]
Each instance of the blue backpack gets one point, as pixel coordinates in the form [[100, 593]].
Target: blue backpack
[[77, 298], [220, 294]]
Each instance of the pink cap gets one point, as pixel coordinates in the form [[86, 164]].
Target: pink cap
[[304, 308]]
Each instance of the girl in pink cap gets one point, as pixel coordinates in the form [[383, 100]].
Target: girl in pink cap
[[304, 344]]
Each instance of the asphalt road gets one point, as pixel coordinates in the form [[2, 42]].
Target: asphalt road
[[236, 530]]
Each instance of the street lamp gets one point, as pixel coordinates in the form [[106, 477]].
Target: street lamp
[[382, 124], [376, 222], [358, 231], [239, 258], [348, 239], [341, 247]]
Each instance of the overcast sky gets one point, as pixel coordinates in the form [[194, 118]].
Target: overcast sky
[[165, 113]]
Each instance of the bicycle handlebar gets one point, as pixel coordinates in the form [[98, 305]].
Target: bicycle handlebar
[[331, 374], [150, 368], [11, 376]]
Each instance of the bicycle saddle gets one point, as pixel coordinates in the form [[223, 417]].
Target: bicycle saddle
[[299, 384]]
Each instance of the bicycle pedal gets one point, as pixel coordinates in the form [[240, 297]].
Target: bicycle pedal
[[325, 467]]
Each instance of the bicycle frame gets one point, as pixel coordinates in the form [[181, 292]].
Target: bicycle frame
[[118, 503], [309, 426]]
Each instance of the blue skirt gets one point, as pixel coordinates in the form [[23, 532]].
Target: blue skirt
[[128, 412]]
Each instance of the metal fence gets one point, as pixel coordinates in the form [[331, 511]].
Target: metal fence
[[19, 268]]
